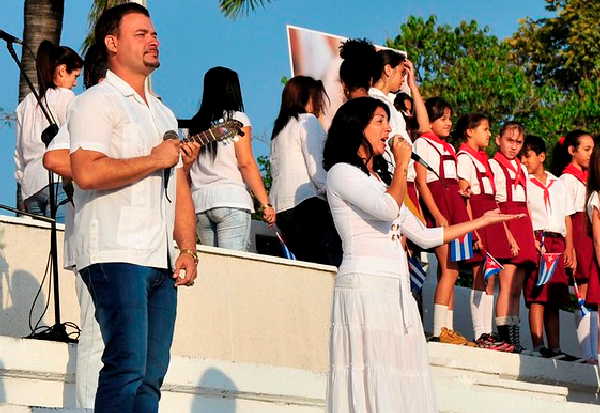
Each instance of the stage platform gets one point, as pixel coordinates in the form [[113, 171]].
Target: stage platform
[[251, 336]]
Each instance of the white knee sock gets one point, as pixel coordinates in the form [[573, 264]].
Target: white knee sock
[[450, 319], [488, 313], [582, 325], [594, 333], [440, 318], [478, 307]]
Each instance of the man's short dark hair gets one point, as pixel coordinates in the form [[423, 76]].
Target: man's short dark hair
[[109, 20], [535, 144]]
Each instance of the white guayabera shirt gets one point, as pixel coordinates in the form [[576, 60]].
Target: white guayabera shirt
[[132, 224]]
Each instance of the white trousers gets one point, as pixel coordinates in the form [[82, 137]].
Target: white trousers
[[89, 349]]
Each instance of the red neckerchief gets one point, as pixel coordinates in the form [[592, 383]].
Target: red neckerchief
[[447, 147], [506, 163], [582, 176], [545, 188], [482, 157]]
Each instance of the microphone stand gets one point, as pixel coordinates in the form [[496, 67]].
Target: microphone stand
[[58, 331]]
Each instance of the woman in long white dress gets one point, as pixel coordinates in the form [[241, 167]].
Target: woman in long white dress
[[378, 356]]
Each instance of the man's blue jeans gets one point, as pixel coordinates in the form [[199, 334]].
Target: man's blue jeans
[[136, 308]]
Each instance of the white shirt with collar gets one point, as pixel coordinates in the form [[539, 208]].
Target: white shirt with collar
[[398, 125], [548, 216], [29, 150], [577, 192], [467, 167], [423, 147], [135, 223], [518, 192], [297, 163]]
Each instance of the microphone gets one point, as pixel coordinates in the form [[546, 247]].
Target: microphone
[[420, 160], [169, 135], [9, 38]]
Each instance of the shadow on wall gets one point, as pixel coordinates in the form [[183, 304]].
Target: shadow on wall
[[17, 291], [217, 393], [2, 391]]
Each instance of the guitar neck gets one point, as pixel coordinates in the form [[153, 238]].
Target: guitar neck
[[204, 137]]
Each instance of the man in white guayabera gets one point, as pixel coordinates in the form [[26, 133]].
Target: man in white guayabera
[[127, 213]]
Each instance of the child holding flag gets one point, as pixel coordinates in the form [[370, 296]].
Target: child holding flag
[[510, 179], [546, 288], [477, 183], [442, 206], [571, 158]]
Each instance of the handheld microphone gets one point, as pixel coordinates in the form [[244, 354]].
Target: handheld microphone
[[169, 135], [9, 38], [420, 160]]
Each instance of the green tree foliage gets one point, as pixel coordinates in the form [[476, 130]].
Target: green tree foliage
[[563, 49], [477, 72]]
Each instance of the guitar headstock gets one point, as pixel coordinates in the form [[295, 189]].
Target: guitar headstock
[[228, 130]]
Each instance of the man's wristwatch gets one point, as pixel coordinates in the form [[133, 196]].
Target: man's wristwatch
[[190, 251]]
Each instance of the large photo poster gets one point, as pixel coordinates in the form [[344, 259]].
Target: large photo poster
[[317, 54]]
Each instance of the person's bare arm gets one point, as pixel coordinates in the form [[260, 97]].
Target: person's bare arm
[[401, 151], [490, 217], [95, 170], [59, 162], [185, 230], [250, 173], [418, 102], [421, 181]]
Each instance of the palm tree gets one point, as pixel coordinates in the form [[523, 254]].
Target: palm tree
[[43, 21]]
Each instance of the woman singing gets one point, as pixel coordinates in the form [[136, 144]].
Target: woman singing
[[377, 348]]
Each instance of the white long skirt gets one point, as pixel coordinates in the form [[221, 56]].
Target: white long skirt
[[378, 353]]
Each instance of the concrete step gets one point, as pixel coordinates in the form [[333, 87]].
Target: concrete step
[[11, 408]]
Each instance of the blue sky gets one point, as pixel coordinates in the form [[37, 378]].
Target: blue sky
[[194, 37]]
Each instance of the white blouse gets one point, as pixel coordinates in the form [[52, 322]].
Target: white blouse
[[297, 162], [465, 169], [29, 150], [576, 190], [594, 202], [549, 216], [218, 182], [518, 192], [423, 147], [370, 221]]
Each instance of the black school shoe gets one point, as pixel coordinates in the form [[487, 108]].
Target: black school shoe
[[558, 355]]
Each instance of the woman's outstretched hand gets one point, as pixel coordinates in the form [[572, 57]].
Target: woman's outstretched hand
[[492, 217]]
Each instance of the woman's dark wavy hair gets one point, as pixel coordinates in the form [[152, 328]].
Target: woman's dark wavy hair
[[221, 97], [296, 94], [468, 121], [386, 57], [346, 135], [48, 58], [357, 68], [560, 154]]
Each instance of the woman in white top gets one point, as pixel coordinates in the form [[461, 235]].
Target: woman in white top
[[58, 68], [298, 190], [378, 354], [225, 173]]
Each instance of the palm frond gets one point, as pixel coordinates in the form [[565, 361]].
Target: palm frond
[[236, 8]]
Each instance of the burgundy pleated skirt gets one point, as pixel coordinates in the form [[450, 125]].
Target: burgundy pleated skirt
[[522, 231], [493, 237]]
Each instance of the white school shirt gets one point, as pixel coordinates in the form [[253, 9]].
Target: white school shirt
[[29, 148], [423, 148], [132, 224], [398, 126], [576, 190], [218, 182], [297, 162], [518, 192], [62, 142], [593, 202], [466, 166], [548, 217]]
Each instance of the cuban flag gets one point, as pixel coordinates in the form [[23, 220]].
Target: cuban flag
[[461, 249], [491, 266], [548, 264], [417, 275], [286, 251]]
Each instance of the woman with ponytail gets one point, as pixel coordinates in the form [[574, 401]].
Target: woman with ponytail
[[57, 70], [571, 161]]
